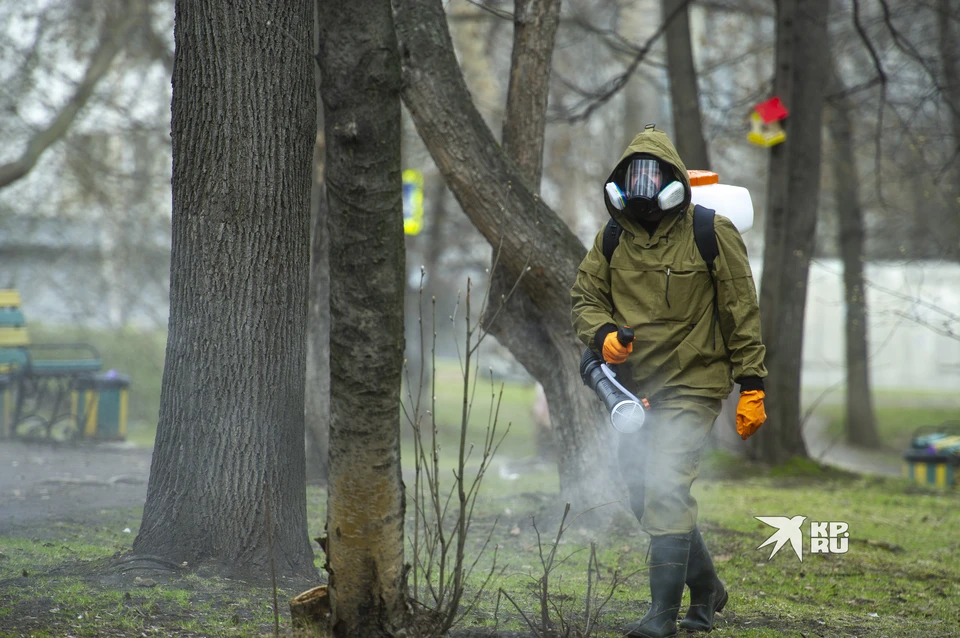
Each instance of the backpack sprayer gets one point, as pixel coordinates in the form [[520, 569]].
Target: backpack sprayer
[[627, 412]]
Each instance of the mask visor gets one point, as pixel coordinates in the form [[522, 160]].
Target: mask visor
[[643, 179]]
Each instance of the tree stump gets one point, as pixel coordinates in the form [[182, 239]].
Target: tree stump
[[311, 608]]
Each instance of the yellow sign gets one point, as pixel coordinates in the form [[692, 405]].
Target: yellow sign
[[412, 201]]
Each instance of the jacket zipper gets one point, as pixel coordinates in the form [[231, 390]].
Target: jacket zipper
[[666, 292]]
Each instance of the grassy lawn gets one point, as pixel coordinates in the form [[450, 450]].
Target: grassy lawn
[[511, 402], [64, 581], [900, 576]]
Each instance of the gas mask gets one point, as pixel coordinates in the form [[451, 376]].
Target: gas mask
[[647, 188]]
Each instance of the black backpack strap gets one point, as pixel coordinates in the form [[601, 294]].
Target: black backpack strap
[[704, 235], [706, 240], [611, 237]]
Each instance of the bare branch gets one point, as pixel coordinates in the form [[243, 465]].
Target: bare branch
[[112, 41], [584, 110], [494, 11], [763, 9], [911, 52], [882, 75]]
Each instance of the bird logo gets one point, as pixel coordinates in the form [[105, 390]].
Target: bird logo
[[788, 529]]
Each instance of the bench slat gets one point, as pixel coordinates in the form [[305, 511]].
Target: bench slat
[[11, 317], [14, 337], [9, 298], [64, 366]]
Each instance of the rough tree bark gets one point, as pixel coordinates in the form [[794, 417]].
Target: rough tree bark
[[365, 505], [793, 193], [317, 395], [231, 416], [496, 197], [860, 423], [534, 32], [522, 139], [642, 92], [684, 94]]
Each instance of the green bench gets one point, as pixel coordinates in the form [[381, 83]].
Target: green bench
[[41, 374]]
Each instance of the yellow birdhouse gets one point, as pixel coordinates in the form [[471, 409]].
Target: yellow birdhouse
[[765, 123]]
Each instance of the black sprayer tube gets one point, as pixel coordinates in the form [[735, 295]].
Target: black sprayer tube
[[626, 415]]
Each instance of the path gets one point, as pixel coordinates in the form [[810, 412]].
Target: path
[[40, 482], [832, 449]]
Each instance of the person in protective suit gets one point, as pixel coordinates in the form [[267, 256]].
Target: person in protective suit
[[695, 333]]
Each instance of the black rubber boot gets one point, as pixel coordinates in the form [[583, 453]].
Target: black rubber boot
[[668, 567], [707, 594]]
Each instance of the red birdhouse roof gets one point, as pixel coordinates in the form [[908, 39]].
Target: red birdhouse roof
[[771, 110]]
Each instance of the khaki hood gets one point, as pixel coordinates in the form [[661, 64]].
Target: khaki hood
[[656, 143]]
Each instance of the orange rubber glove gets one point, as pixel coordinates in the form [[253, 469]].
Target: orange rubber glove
[[614, 351], [750, 413]]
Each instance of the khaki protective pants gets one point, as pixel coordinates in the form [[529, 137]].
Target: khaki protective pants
[[660, 462]]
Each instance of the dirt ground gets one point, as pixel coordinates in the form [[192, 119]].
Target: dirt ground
[[40, 482]]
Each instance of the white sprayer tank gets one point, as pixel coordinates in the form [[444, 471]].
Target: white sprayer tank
[[733, 202]]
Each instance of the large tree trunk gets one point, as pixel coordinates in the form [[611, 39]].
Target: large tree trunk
[[317, 396], [643, 100], [949, 45], [684, 95], [495, 195], [793, 193], [534, 32], [860, 425], [365, 506], [522, 139], [317, 399], [231, 413]]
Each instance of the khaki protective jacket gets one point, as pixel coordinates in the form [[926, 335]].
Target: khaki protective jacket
[[659, 285]]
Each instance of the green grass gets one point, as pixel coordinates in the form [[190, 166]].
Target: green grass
[[513, 409], [895, 424], [63, 584], [913, 591], [902, 563]]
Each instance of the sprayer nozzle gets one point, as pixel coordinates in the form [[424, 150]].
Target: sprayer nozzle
[[627, 417]]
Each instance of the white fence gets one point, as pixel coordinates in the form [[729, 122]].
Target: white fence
[[913, 325]]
